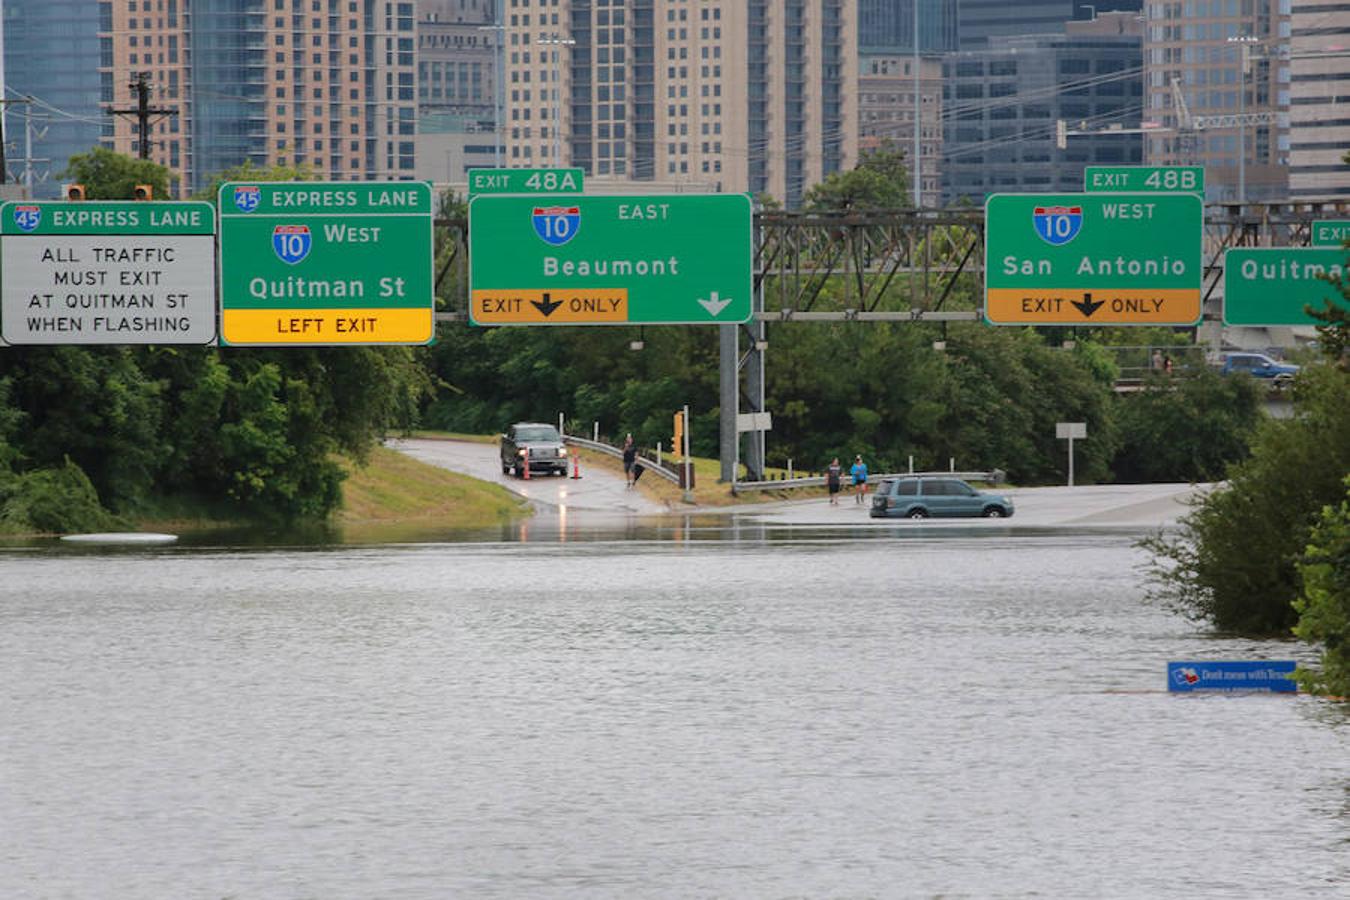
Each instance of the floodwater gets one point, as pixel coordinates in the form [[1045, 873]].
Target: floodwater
[[691, 710]]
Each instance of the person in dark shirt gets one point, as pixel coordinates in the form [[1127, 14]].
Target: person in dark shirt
[[629, 459], [832, 476]]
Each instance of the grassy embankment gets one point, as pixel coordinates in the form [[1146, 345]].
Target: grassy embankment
[[392, 490], [395, 488]]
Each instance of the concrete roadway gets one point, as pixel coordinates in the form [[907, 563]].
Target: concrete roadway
[[597, 491], [603, 494]]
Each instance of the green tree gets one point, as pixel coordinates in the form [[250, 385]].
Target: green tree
[[1324, 604], [1186, 427], [250, 172], [878, 181], [108, 175], [96, 408], [1233, 562]]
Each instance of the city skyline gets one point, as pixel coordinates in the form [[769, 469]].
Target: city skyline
[[756, 96]]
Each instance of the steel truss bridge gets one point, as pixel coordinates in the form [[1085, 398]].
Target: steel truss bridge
[[889, 266]]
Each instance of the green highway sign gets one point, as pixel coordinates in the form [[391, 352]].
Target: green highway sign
[[317, 263], [1145, 179], [1093, 259], [525, 181], [107, 272], [1271, 285], [678, 260], [1330, 233]]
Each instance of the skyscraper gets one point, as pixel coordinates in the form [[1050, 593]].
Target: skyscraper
[[887, 26], [1319, 127], [457, 43], [748, 95], [981, 23], [328, 84], [1225, 61], [1003, 103], [51, 53], [886, 113]]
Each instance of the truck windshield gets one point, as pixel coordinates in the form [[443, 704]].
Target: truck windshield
[[537, 433]]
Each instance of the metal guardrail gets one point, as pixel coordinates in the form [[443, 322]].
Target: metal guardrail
[[995, 476], [648, 464]]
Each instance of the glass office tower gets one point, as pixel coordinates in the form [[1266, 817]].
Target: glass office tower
[[51, 53]]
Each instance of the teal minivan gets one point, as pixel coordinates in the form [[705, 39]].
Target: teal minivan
[[919, 498]]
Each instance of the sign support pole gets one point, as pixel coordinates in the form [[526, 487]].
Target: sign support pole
[[688, 487], [728, 390]]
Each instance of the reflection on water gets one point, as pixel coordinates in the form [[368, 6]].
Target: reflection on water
[[687, 707]]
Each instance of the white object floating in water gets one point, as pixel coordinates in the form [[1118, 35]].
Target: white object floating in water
[[121, 537]]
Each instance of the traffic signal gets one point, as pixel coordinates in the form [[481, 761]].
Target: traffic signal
[[1061, 134], [144, 192], [74, 192], [677, 442]]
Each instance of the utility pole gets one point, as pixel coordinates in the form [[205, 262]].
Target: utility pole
[[4, 164], [143, 111], [918, 115]]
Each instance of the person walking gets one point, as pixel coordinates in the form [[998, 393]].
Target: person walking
[[859, 473], [629, 459], [1157, 360], [832, 476]]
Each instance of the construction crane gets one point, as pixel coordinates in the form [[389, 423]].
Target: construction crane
[[1186, 128]]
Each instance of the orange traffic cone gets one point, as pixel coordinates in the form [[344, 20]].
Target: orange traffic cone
[[527, 463], [576, 467]]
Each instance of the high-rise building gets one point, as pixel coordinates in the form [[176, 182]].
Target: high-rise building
[[981, 23], [457, 44], [886, 113], [887, 26], [329, 84], [1001, 106], [746, 95], [1319, 126], [1226, 61], [51, 55]]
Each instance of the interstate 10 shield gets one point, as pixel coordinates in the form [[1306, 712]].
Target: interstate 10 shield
[[556, 225], [291, 243], [1057, 225]]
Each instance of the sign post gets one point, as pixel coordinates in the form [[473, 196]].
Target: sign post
[[1272, 285], [1070, 430], [322, 263], [1145, 179], [1093, 259], [107, 272], [677, 260]]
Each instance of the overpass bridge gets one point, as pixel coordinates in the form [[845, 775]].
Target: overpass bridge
[[904, 265]]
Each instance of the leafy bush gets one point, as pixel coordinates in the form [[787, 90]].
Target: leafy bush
[[1234, 560], [1185, 428], [1324, 605], [56, 500]]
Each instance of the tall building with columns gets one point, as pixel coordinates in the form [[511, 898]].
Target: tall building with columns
[[329, 84], [743, 95]]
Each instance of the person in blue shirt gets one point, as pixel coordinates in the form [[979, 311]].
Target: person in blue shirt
[[859, 473]]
